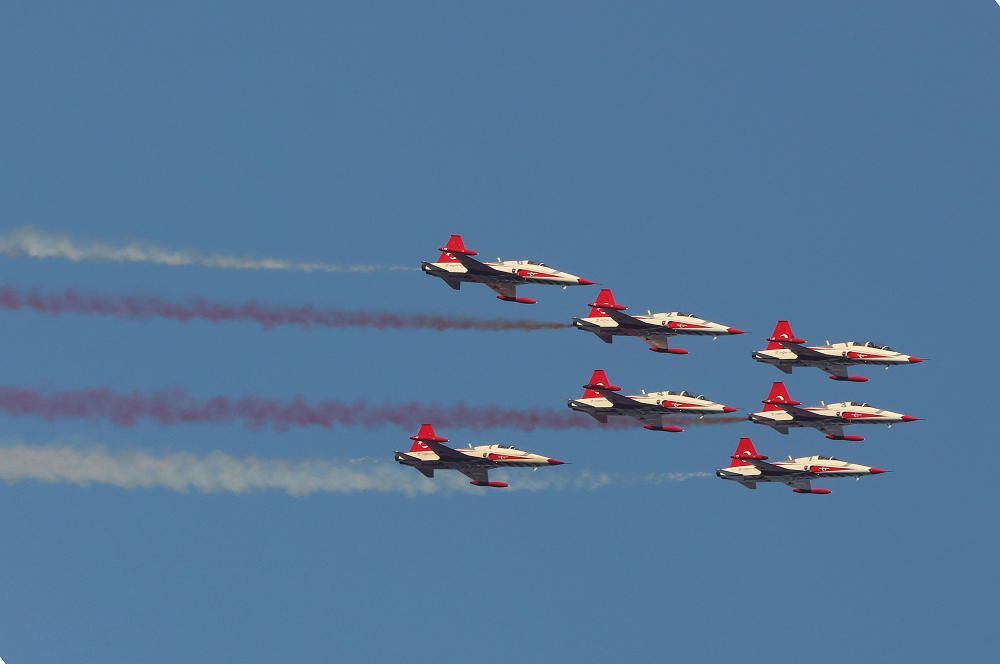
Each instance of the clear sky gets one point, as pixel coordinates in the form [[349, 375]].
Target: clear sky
[[830, 163]]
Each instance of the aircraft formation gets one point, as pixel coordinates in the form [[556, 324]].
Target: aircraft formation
[[656, 411]]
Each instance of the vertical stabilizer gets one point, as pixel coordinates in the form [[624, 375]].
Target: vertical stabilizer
[[778, 394], [782, 332], [426, 433], [600, 379], [455, 246], [605, 300], [743, 450]]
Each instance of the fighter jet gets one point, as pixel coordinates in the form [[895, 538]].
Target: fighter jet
[[749, 468], [781, 412], [607, 321], [785, 351], [456, 264], [600, 400], [429, 453]]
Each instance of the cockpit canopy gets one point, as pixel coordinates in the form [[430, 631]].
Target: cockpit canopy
[[533, 263], [870, 344], [827, 458], [858, 403], [685, 393], [681, 313]]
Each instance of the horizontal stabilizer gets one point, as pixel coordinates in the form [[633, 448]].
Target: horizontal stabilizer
[[787, 341], [783, 403], [748, 457]]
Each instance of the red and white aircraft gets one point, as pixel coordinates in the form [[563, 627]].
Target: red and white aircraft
[[785, 351], [749, 468], [607, 321], [456, 264], [429, 453], [781, 412], [601, 401]]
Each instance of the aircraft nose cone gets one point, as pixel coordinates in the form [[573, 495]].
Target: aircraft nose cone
[[556, 462], [729, 409], [877, 471], [733, 330], [585, 282], [909, 418], [916, 360]]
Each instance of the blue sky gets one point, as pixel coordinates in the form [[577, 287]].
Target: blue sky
[[834, 164]]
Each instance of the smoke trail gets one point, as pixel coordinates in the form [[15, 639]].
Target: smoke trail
[[267, 316], [218, 472], [592, 481], [39, 244], [171, 407]]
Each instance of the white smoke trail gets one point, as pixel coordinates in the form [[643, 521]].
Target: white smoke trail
[[218, 472], [591, 481], [34, 243]]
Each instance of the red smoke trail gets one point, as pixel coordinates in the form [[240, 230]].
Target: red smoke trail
[[172, 407], [267, 316]]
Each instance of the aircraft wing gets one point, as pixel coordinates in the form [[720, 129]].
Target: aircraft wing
[[476, 473], [478, 267], [505, 289], [771, 469], [838, 370], [799, 483], [806, 353], [804, 415], [834, 430], [631, 322], [446, 453], [619, 400]]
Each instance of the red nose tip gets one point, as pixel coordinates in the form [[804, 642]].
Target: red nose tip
[[909, 418], [556, 462], [733, 330], [729, 409], [876, 471], [585, 282], [915, 360]]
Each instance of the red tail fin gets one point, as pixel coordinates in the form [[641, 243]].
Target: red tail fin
[[778, 394], [598, 378], [426, 433], [782, 331], [745, 449], [455, 246], [605, 300]]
